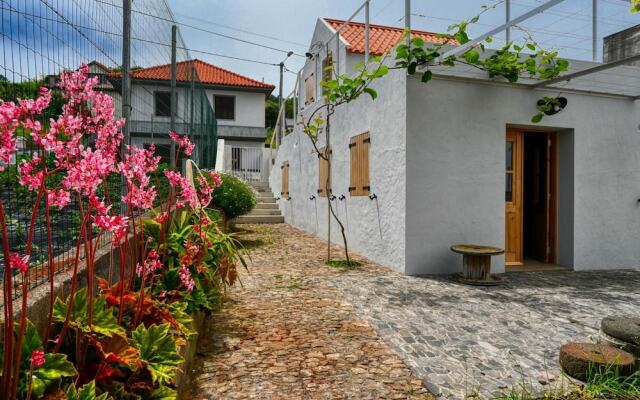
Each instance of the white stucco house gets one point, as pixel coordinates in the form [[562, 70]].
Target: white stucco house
[[237, 101], [458, 160]]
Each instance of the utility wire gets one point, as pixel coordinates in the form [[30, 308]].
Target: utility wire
[[241, 30], [25, 14], [210, 32]]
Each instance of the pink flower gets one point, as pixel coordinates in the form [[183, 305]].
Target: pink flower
[[183, 142], [120, 234], [59, 198], [29, 175], [111, 223], [37, 358], [89, 171], [151, 264], [205, 191], [187, 194], [137, 164], [98, 205], [217, 180], [185, 277], [19, 263]]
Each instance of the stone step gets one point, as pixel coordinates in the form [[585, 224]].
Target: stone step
[[264, 211], [266, 206], [270, 200], [259, 219]]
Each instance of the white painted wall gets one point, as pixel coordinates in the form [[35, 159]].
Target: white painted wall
[[375, 229], [143, 103], [455, 173], [437, 166], [249, 107]]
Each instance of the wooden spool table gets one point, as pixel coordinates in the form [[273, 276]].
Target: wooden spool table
[[476, 264]]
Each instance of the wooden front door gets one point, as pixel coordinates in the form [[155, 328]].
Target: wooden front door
[[513, 198]]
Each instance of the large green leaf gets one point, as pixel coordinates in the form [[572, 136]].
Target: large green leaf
[[158, 350], [104, 322], [30, 342], [87, 392], [178, 311], [55, 367]]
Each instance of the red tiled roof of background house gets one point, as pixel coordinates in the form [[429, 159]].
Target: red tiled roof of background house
[[381, 38], [205, 74]]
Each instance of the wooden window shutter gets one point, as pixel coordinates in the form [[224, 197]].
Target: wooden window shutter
[[309, 88], [323, 173], [359, 147], [285, 179]]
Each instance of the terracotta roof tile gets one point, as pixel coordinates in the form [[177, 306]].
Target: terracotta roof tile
[[205, 73], [381, 38]]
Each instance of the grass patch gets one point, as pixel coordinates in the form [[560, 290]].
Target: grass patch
[[343, 264], [604, 385]]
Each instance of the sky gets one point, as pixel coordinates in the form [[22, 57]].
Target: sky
[[289, 25]]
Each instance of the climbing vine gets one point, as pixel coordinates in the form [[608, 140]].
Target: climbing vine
[[510, 62]]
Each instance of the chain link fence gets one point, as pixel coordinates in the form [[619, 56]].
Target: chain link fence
[[42, 38]]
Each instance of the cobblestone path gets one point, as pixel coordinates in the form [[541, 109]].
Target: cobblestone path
[[464, 340], [289, 333]]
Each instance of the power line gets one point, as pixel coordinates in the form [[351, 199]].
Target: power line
[[242, 30], [211, 32], [139, 39]]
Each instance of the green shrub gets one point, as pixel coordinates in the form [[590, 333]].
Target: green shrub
[[234, 197]]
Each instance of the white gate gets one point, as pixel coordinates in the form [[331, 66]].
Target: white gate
[[245, 162]]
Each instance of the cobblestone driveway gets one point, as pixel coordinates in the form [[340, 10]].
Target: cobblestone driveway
[[290, 334], [463, 340], [301, 330]]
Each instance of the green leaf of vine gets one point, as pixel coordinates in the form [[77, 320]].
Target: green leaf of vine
[[537, 118], [371, 93]]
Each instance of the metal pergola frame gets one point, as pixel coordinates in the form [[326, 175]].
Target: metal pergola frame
[[537, 10]]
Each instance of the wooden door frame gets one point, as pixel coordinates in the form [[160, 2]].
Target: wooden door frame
[[552, 212]]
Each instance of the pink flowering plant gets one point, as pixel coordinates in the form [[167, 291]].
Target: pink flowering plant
[[201, 260], [121, 334]]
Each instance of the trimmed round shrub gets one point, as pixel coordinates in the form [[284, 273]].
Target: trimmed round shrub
[[234, 197]]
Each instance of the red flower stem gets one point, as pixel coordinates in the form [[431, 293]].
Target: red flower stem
[[123, 250], [8, 307], [23, 325], [132, 277], [25, 294], [47, 332], [74, 284], [87, 256]]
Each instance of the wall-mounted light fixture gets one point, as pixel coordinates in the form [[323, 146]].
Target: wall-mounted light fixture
[[342, 197], [332, 197], [288, 198], [312, 50], [277, 198], [313, 197], [373, 196]]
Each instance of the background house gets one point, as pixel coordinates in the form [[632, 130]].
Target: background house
[[458, 160], [238, 103]]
